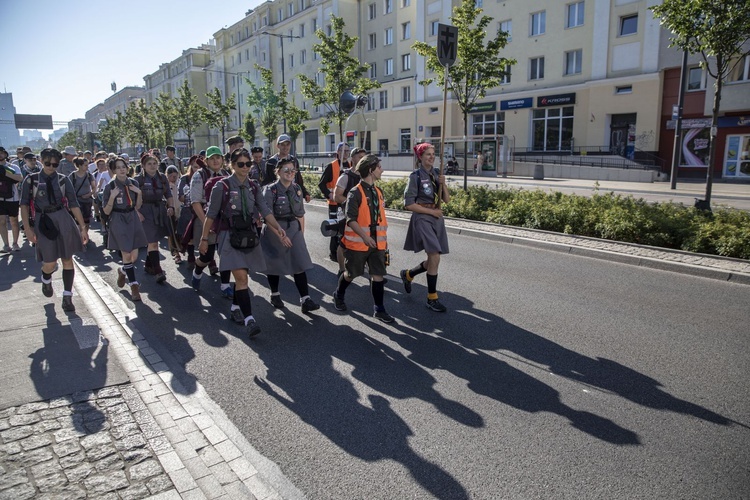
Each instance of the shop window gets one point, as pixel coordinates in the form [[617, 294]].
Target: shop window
[[488, 124], [552, 129], [737, 156], [404, 140]]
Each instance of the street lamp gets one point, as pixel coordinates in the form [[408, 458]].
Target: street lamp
[[281, 38], [239, 95]]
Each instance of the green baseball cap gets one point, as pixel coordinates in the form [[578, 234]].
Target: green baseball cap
[[213, 150]]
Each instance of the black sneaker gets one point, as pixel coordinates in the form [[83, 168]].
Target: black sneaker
[[161, 277], [405, 281], [276, 301], [384, 316], [67, 304], [47, 289], [252, 328], [338, 303], [436, 306], [237, 316], [308, 305]]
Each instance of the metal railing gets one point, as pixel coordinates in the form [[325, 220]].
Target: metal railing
[[590, 156]]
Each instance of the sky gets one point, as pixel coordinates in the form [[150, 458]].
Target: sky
[[60, 57]]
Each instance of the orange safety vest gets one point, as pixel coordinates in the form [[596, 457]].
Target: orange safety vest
[[351, 240], [331, 185]]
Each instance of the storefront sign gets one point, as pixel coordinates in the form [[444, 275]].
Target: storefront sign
[[555, 100], [734, 121], [526, 102], [483, 107], [724, 122]]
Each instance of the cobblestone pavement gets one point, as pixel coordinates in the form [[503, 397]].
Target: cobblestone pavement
[[147, 438]]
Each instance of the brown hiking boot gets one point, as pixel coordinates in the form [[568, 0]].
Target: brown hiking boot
[[120, 278], [135, 292]]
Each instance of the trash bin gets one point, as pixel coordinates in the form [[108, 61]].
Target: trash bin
[[538, 172]]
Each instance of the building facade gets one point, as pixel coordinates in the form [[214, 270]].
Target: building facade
[[9, 136]]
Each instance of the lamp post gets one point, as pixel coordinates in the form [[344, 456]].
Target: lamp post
[[281, 38], [239, 95]]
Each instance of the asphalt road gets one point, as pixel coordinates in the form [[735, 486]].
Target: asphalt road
[[551, 376]]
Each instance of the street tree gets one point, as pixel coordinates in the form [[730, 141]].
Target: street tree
[[295, 121], [165, 113], [190, 113], [111, 132], [340, 72], [218, 112], [69, 138], [478, 67], [266, 103], [249, 128], [140, 125], [718, 30]]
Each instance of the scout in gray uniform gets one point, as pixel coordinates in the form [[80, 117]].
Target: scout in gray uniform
[[154, 190], [215, 162], [186, 212], [427, 226], [237, 201], [84, 186], [121, 203], [287, 255], [46, 189]]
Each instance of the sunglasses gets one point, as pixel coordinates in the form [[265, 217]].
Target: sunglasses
[[51, 164], [288, 170], [244, 164]]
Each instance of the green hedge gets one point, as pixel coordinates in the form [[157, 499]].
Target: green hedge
[[610, 216]]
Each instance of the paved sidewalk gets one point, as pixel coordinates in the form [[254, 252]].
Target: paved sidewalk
[[96, 412]]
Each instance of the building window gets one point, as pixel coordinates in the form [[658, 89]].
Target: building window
[[405, 3], [434, 28], [373, 70], [737, 156], [505, 80], [552, 129], [506, 26], [538, 23], [265, 21], [695, 80], [406, 31], [301, 5], [280, 15], [303, 57], [404, 140], [371, 11], [388, 35], [329, 30], [291, 60], [573, 62], [302, 31], [294, 85], [290, 9], [383, 97], [739, 70], [406, 62], [388, 67], [388, 6], [629, 25], [370, 102], [405, 94], [371, 41], [574, 15], [536, 68], [624, 89], [488, 124], [314, 25], [316, 56], [247, 54], [478, 4]]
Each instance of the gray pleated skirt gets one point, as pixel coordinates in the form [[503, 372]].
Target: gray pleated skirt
[[155, 223], [67, 243], [426, 233], [125, 232], [198, 232], [232, 258], [281, 260]]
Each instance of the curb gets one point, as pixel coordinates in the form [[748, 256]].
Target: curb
[[202, 452]]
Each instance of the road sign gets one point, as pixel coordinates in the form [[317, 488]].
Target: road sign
[[447, 44]]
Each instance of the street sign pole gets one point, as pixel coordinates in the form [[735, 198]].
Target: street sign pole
[[447, 48]]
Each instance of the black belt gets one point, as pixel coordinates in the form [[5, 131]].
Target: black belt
[[123, 210], [288, 222], [49, 210], [152, 202]]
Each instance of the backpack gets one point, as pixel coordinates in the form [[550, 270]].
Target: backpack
[[243, 234], [7, 185], [73, 178], [35, 177]]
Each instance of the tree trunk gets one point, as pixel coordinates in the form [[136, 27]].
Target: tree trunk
[[466, 160], [714, 127]]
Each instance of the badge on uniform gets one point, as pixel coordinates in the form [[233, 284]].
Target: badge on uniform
[[427, 188]]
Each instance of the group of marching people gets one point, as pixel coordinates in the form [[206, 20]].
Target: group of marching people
[[240, 209]]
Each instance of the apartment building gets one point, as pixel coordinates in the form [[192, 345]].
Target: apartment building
[[119, 101], [170, 77]]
